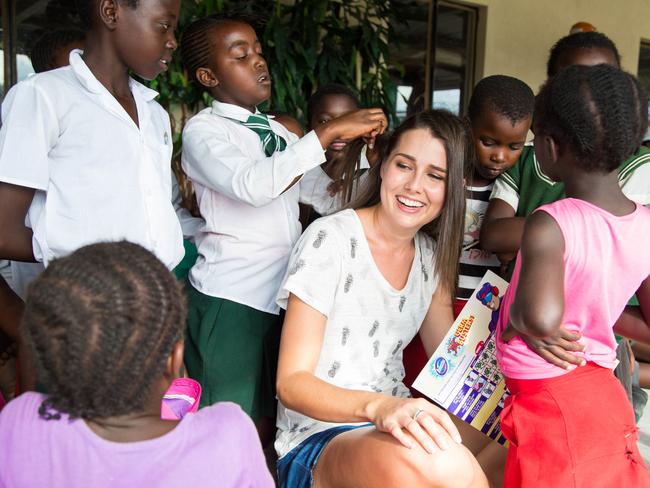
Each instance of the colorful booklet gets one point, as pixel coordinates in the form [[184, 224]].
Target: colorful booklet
[[462, 375]]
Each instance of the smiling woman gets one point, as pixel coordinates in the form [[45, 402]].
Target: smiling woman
[[436, 151], [360, 284]]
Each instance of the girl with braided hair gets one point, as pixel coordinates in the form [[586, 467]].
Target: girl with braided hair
[[581, 259], [107, 341]]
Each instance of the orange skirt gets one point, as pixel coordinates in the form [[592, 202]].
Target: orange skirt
[[575, 430]]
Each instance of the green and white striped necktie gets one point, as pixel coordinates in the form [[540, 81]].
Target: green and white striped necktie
[[271, 142]]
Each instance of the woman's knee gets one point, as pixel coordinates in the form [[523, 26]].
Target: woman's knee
[[454, 467], [366, 457]]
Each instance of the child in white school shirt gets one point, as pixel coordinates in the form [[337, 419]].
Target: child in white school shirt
[[85, 150], [246, 182]]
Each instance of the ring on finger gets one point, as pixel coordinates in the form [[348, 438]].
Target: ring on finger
[[417, 413]]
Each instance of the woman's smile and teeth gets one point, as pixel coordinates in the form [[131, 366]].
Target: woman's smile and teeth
[[408, 205]]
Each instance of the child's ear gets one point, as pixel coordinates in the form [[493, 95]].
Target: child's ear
[[108, 13], [175, 368], [543, 144], [553, 149], [206, 77]]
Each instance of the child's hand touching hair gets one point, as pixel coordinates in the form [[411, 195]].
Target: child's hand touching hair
[[376, 152], [556, 349], [367, 122]]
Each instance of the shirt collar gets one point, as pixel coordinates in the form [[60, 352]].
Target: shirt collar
[[92, 84], [145, 92], [538, 169], [231, 111], [363, 158]]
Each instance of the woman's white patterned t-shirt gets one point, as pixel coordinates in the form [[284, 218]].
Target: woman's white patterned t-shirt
[[368, 321]]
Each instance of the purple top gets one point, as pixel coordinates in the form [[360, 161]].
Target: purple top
[[217, 446]]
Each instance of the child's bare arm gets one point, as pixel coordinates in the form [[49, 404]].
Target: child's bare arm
[[539, 301], [437, 321], [6, 343], [11, 307], [501, 231], [299, 389], [15, 238], [368, 122], [538, 306], [634, 321], [15, 244], [211, 159]]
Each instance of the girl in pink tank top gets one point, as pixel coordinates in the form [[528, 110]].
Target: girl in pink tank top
[[581, 260]]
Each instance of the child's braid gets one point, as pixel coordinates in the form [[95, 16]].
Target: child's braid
[[599, 111], [195, 43], [101, 324]]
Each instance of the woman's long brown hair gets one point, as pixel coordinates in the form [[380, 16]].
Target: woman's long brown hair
[[448, 228]]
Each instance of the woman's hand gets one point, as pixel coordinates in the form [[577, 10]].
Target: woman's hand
[[557, 349], [429, 425]]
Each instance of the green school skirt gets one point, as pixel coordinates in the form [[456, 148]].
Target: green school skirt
[[182, 269], [232, 350]]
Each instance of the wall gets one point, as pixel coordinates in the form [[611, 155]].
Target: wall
[[518, 34]]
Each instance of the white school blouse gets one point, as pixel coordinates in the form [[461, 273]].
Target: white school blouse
[[251, 223], [98, 176], [314, 187]]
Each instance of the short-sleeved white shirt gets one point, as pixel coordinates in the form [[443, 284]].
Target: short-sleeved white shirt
[[251, 222], [368, 321], [98, 176]]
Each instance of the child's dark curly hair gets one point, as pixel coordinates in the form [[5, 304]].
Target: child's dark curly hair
[[44, 50], [599, 112], [505, 95], [101, 324], [579, 40], [85, 9], [195, 44]]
